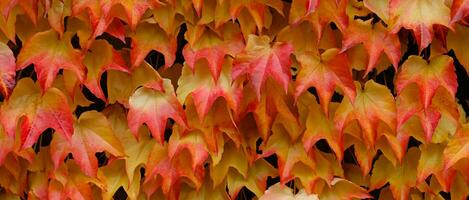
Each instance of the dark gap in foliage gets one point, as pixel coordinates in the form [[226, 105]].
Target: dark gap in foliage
[[333, 26], [258, 145], [349, 156], [378, 154], [75, 41], [313, 91], [181, 42], [102, 158], [336, 97], [142, 172], [245, 194], [15, 48], [413, 142], [44, 140], [463, 84], [272, 181], [97, 105], [103, 84], [272, 159], [168, 131], [116, 43], [426, 52], [155, 59], [26, 72], [446, 195], [323, 146], [386, 78], [120, 194]]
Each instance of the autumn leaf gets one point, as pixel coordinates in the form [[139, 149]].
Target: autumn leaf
[[204, 90], [149, 36], [277, 192], [419, 16], [375, 39], [428, 75], [49, 54], [457, 148], [325, 73], [373, 104], [458, 43], [260, 60], [92, 133], [154, 107]]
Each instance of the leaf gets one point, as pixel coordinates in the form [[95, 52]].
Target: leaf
[[343, 189], [457, 148], [204, 90], [7, 70], [260, 60], [49, 54], [134, 10], [459, 10], [431, 161], [419, 16], [373, 104], [438, 72], [92, 133], [41, 112], [375, 39], [214, 49], [255, 180], [100, 58], [329, 11], [149, 37], [325, 72], [232, 158], [154, 107]]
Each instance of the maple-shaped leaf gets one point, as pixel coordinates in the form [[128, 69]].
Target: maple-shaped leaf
[[49, 54], [431, 161], [7, 24], [134, 10], [214, 48], [255, 179], [457, 148], [419, 16], [375, 39], [50, 110], [289, 153], [442, 106], [168, 173], [261, 60], [318, 127], [56, 13], [300, 9], [206, 191], [7, 70], [205, 90], [193, 142], [154, 107], [459, 43], [149, 37], [401, 177], [136, 152], [343, 189], [373, 103], [101, 57], [112, 177], [325, 72], [329, 11], [92, 133], [428, 75], [232, 158]]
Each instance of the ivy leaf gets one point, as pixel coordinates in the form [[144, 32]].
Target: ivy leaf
[[7, 70], [325, 72], [205, 90], [154, 107], [100, 58], [149, 37], [260, 60], [279, 191], [134, 10], [214, 48], [92, 133], [458, 42], [419, 16], [373, 103], [255, 179], [438, 72], [49, 54], [343, 189], [375, 39], [457, 148]]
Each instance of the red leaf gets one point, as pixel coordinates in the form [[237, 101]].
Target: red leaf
[[7, 70]]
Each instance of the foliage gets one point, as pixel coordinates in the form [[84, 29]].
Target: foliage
[[227, 99]]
